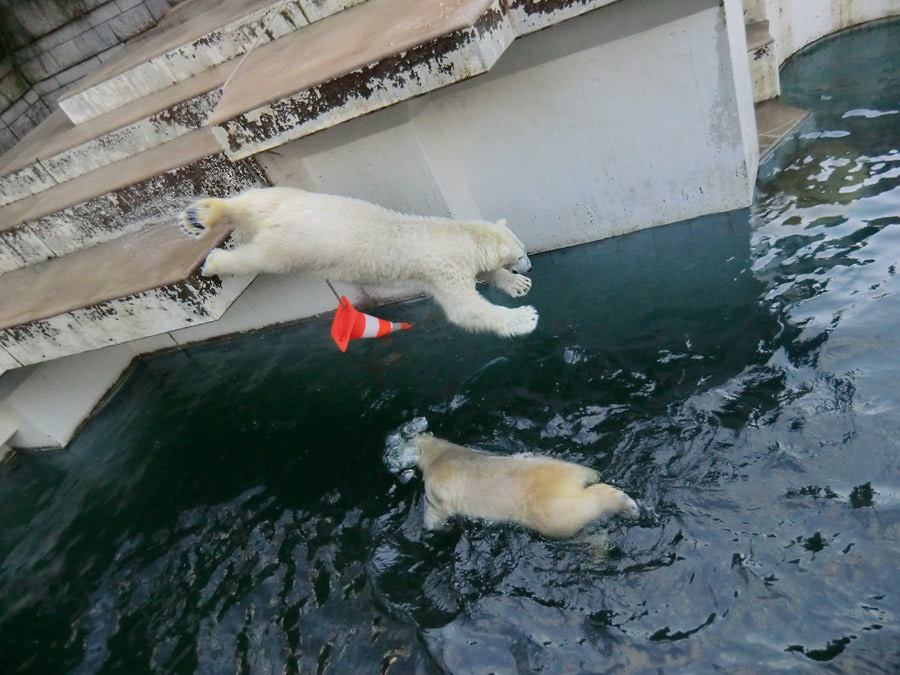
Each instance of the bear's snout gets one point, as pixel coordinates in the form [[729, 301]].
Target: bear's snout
[[522, 265]]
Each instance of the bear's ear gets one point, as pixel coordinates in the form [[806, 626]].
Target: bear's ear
[[501, 223], [505, 251]]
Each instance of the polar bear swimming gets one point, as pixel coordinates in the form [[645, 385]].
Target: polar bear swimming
[[554, 498], [354, 241]]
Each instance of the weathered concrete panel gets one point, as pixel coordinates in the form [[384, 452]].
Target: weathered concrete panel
[[528, 16], [7, 361], [142, 80], [135, 207], [319, 9], [147, 133], [20, 247], [458, 56], [183, 61], [24, 182], [49, 339]]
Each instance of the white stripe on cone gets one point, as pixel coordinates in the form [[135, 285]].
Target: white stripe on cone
[[372, 327], [351, 324]]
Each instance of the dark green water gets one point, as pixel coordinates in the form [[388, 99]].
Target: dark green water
[[228, 510]]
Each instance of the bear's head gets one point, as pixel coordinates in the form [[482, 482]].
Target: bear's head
[[511, 250]]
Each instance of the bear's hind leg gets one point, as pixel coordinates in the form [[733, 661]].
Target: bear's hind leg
[[435, 517], [200, 216], [246, 259], [515, 285]]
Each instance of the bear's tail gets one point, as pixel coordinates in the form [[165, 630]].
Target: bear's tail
[[201, 216]]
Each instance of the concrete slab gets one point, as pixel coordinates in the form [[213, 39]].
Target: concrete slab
[[119, 198], [775, 119], [138, 285], [57, 150], [193, 38], [362, 59]]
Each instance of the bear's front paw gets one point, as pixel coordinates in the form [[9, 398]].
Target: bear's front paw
[[522, 320], [519, 285], [210, 268], [192, 219]]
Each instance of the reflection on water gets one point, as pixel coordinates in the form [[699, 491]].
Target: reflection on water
[[229, 510]]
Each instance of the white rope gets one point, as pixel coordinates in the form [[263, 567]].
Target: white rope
[[255, 43]]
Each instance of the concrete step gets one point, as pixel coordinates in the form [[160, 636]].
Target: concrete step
[[58, 150], [351, 63], [118, 198], [141, 284], [763, 62], [193, 37], [775, 119]]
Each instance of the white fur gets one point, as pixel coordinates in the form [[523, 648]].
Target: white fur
[[552, 497], [357, 242]]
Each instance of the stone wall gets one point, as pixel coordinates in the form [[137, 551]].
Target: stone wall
[[49, 44]]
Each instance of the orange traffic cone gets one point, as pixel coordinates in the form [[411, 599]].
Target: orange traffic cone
[[351, 324]]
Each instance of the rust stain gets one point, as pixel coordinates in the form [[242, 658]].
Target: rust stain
[[362, 84], [531, 7]]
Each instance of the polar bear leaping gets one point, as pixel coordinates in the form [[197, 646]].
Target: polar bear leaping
[[354, 241]]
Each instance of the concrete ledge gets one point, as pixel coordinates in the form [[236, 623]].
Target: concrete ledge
[[136, 286], [58, 151], [119, 198], [528, 16], [363, 59], [23, 182], [204, 35]]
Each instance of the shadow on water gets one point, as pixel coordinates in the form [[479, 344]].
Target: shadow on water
[[228, 510]]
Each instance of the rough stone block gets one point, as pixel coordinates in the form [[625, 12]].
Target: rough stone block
[[106, 35], [13, 87], [78, 71], [90, 43], [22, 126], [57, 37], [128, 24], [105, 56], [125, 5], [14, 112], [157, 8], [7, 139], [45, 87], [38, 112], [67, 54], [104, 13]]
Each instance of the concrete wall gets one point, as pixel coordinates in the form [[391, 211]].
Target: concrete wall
[[796, 23], [634, 115]]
